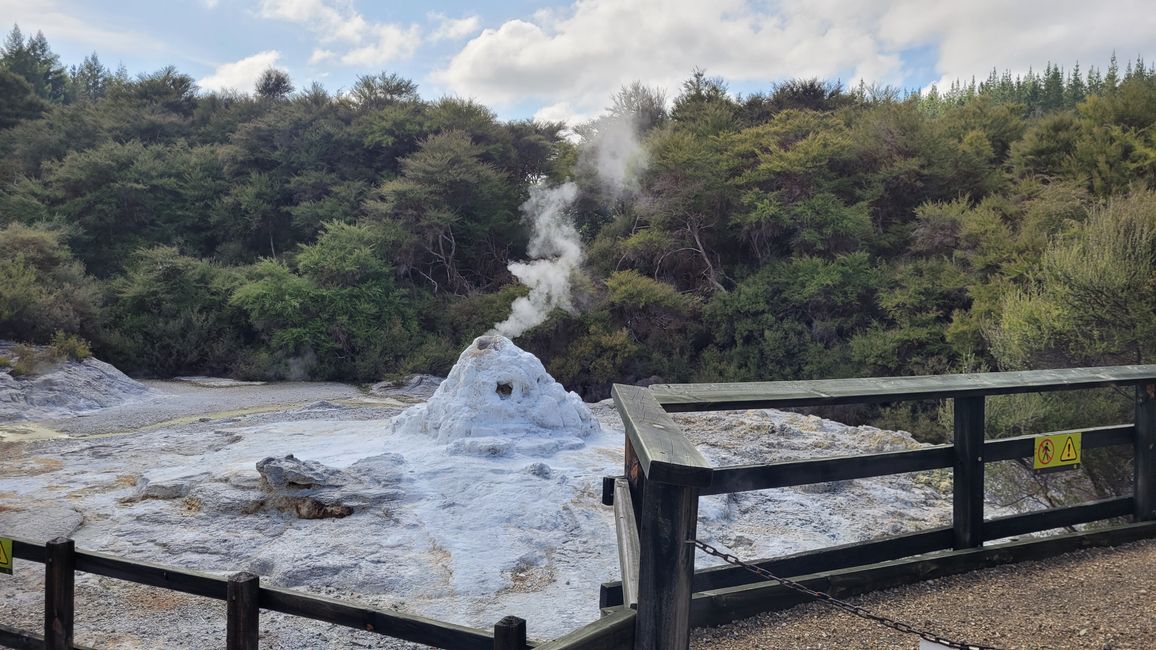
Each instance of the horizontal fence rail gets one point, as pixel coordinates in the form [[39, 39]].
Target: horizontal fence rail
[[825, 392], [743, 478]]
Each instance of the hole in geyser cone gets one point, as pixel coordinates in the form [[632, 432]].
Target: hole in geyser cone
[[505, 390]]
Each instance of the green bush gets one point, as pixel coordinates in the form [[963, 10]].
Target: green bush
[[69, 346], [32, 361]]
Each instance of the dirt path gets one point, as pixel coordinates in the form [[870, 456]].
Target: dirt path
[[1101, 598]]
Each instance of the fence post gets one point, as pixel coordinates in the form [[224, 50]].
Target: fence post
[[244, 610], [1144, 464], [59, 593], [666, 566], [510, 634], [967, 477]]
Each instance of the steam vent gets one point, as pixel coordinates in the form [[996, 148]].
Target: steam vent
[[498, 391]]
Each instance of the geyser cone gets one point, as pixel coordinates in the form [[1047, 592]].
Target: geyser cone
[[497, 389]]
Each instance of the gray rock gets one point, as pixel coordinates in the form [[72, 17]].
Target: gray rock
[[289, 472], [65, 389], [311, 490], [541, 470], [40, 523], [171, 490], [416, 388]]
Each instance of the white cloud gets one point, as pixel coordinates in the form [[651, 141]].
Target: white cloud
[[452, 29], [240, 75], [211, 4], [60, 23], [572, 59], [392, 43], [320, 56], [583, 55], [337, 24], [973, 37]]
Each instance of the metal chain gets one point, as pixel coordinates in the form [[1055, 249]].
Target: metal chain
[[840, 604]]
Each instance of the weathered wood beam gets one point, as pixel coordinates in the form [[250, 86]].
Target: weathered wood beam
[[1033, 522], [663, 451], [408, 627], [627, 533], [967, 473], [243, 612], [802, 472], [731, 396], [1025, 446], [666, 567], [1144, 466], [59, 593], [614, 631]]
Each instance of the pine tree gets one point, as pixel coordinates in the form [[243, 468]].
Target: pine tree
[[1076, 90], [36, 63], [89, 79], [1112, 78]]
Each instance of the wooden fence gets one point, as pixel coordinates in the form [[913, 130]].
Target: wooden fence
[[656, 510], [665, 476]]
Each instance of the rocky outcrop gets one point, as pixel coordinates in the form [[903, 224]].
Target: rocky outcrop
[[311, 490], [64, 389]]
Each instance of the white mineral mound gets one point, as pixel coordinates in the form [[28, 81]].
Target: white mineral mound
[[497, 392]]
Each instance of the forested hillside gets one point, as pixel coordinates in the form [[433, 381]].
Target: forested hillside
[[808, 231]]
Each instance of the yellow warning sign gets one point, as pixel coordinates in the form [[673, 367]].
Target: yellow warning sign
[[1060, 450], [5, 555]]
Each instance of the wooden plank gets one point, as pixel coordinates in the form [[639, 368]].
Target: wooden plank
[[627, 533], [1144, 466], [730, 396], [155, 575], [1032, 522], [722, 606], [389, 623], [18, 639], [829, 559], [743, 478], [608, 489], [26, 549], [59, 593], [612, 632], [1025, 446], [510, 634], [663, 451], [243, 612], [967, 473], [666, 567], [826, 559]]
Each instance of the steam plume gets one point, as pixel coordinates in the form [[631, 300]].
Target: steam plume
[[614, 155], [557, 252]]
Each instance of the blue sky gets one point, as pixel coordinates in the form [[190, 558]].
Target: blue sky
[[562, 60]]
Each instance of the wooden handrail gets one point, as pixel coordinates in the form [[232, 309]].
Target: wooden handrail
[[730, 396]]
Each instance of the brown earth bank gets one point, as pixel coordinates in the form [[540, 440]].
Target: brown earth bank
[[1098, 598]]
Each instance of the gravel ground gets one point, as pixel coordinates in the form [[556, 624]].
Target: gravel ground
[[1098, 598]]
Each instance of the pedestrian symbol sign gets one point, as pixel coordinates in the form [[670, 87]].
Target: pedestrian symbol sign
[[5, 555], [1057, 451]]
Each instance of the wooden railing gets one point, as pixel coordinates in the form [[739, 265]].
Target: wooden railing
[[666, 475], [244, 598]]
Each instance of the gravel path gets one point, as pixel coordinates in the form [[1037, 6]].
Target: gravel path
[[1100, 598]]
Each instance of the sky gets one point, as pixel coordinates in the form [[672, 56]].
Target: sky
[[563, 60]]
